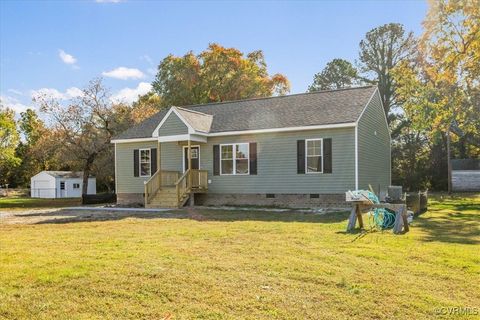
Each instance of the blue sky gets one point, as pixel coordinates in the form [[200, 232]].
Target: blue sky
[[58, 46]]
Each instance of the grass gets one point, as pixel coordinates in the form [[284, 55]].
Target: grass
[[13, 203], [242, 265]]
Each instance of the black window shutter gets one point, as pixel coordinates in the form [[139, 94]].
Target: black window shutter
[[216, 160], [300, 156], [153, 160], [253, 158], [135, 163], [327, 155]]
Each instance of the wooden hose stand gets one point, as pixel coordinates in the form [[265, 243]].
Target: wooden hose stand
[[401, 222]]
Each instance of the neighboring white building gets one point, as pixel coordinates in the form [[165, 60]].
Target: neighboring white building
[[466, 175], [60, 184]]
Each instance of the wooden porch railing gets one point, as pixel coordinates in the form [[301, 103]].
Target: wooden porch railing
[[169, 177], [199, 179], [191, 181], [152, 185], [161, 178], [183, 186]]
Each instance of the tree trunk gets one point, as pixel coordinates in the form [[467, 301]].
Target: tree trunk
[[86, 173]]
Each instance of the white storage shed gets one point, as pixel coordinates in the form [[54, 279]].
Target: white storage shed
[[60, 184]]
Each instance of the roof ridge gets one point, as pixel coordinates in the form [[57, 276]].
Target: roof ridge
[[274, 97]]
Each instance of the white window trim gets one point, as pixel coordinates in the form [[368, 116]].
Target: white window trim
[[199, 156], [140, 162], [234, 159], [306, 155]]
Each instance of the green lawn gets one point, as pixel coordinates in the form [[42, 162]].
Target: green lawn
[[24, 202], [242, 265]]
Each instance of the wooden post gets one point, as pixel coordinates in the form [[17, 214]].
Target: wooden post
[[359, 216], [159, 165], [190, 171], [449, 164], [355, 215], [401, 221], [145, 193]]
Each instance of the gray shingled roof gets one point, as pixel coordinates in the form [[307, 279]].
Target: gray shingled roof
[[297, 110], [66, 174]]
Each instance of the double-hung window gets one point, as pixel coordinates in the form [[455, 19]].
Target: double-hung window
[[314, 155], [234, 159], [145, 164]]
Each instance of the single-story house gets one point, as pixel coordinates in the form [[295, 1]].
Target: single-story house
[[465, 175], [60, 184], [296, 150]]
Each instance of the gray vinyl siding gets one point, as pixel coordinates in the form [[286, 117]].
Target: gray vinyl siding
[[125, 181], [171, 155], [276, 163], [173, 126], [374, 158]]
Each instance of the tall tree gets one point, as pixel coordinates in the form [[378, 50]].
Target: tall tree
[[146, 106], [338, 73], [85, 126], [380, 51], [440, 89], [32, 130], [9, 138], [216, 74]]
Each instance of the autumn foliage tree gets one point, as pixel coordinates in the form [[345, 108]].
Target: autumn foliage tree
[[216, 74], [440, 89], [85, 126], [9, 138]]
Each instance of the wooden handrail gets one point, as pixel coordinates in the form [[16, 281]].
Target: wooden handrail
[[191, 180], [152, 185], [182, 185], [156, 182]]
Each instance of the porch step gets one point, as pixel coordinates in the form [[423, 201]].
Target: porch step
[[167, 198]]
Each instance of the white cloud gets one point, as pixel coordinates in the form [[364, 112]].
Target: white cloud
[[67, 58], [129, 95], [74, 92], [124, 73], [17, 92], [70, 93], [14, 104], [49, 92]]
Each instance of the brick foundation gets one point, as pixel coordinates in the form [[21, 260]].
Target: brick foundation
[[280, 200], [256, 199], [130, 198]]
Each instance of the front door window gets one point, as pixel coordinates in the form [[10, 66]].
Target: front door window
[[195, 158]]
